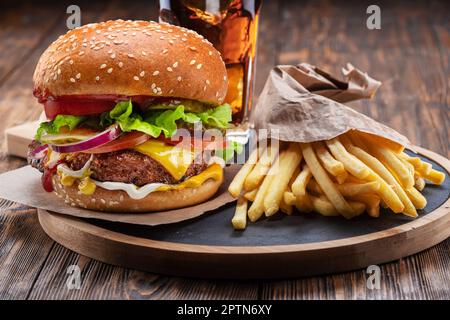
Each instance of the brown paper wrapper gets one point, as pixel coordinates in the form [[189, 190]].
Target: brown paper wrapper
[[24, 186], [304, 104]]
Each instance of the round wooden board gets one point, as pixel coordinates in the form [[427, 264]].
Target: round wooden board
[[124, 245]]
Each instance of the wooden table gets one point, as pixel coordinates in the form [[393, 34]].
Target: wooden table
[[410, 54]]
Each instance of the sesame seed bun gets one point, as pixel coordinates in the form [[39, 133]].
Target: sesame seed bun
[[132, 58], [119, 201]]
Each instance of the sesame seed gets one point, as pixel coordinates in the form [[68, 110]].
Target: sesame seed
[[171, 41], [103, 66], [78, 76], [103, 201], [193, 48], [179, 78], [97, 78], [59, 71], [153, 86], [142, 74], [169, 69], [210, 53], [81, 53], [183, 39], [175, 64], [136, 78], [192, 62], [156, 73], [155, 91], [165, 51], [72, 80], [204, 88], [162, 37], [199, 66], [113, 56], [207, 82], [110, 51], [120, 64], [110, 70], [144, 53], [130, 55]]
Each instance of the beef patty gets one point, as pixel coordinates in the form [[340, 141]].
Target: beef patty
[[126, 166]]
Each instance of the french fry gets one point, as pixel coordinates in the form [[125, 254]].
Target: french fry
[[330, 164], [257, 208], [325, 182], [285, 207], [302, 203], [323, 206], [394, 165], [419, 183], [435, 177], [236, 185], [239, 220], [354, 189], [299, 184], [408, 166], [423, 168], [351, 163], [261, 168], [416, 198], [289, 198], [349, 189], [371, 201], [250, 195], [289, 161], [390, 190]]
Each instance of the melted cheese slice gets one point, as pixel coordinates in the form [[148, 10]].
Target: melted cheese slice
[[175, 160], [214, 171]]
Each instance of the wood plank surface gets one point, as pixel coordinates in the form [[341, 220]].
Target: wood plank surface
[[410, 54]]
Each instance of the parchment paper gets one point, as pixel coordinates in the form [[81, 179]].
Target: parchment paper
[[304, 104], [23, 185]]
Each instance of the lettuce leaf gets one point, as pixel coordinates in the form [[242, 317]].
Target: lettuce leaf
[[219, 117], [60, 121], [123, 115]]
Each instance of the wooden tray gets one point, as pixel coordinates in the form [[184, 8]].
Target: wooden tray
[[285, 246]]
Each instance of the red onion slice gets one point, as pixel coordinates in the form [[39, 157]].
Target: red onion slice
[[39, 152], [104, 137]]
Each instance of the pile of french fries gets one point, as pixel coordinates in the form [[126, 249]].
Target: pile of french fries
[[348, 175]]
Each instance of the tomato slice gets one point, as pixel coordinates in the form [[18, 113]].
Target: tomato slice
[[76, 107], [126, 141]]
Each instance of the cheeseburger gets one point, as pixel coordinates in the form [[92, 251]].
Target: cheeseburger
[[116, 95]]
